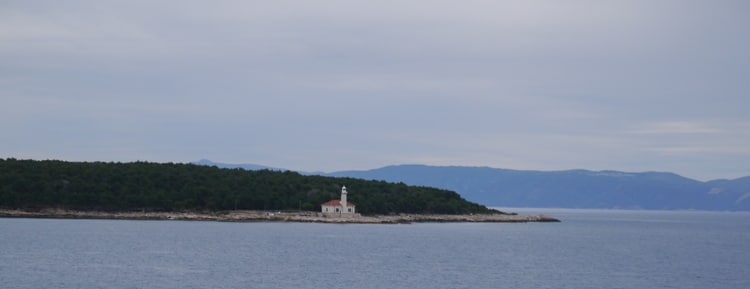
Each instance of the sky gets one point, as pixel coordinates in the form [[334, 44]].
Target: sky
[[333, 85]]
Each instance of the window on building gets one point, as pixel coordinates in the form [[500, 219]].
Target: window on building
[[337, 210], [350, 210]]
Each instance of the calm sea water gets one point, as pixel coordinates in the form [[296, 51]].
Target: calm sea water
[[589, 249]]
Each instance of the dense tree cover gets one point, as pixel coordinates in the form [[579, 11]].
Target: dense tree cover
[[28, 184]]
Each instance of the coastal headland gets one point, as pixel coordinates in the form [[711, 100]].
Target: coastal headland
[[169, 191], [266, 216]]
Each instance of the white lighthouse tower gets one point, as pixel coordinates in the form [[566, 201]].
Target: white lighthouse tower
[[343, 198]]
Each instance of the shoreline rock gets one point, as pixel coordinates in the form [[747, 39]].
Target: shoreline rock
[[265, 216]]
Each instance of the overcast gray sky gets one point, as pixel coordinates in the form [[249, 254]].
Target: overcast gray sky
[[332, 85]]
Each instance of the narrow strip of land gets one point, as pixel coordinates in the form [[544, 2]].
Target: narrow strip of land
[[249, 216]]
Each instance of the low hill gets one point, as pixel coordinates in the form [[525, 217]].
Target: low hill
[[571, 188], [28, 184]]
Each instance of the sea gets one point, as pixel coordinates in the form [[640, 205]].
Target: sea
[[588, 249]]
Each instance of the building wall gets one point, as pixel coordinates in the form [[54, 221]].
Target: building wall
[[328, 209], [332, 210]]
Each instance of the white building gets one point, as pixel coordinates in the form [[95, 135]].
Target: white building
[[339, 207]]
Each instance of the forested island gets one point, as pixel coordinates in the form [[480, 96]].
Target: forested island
[[30, 185]]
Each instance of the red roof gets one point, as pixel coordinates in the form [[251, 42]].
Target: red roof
[[337, 203]]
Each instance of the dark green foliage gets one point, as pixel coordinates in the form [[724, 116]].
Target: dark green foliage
[[28, 184]]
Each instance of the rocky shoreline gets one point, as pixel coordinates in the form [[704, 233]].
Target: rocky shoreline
[[264, 216]]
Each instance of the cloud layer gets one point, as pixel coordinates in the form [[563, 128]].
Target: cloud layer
[[328, 85]]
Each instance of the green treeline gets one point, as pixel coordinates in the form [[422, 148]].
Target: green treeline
[[28, 184]]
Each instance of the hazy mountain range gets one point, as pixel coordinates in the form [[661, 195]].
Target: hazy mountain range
[[206, 162], [563, 189]]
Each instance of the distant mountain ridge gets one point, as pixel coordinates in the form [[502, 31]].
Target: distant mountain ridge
[[251, 167], [570, 188]]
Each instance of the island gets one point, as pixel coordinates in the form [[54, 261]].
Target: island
[[169, 191], [255, 216]]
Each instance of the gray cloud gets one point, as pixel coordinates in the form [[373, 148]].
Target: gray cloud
[[326, 85]]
